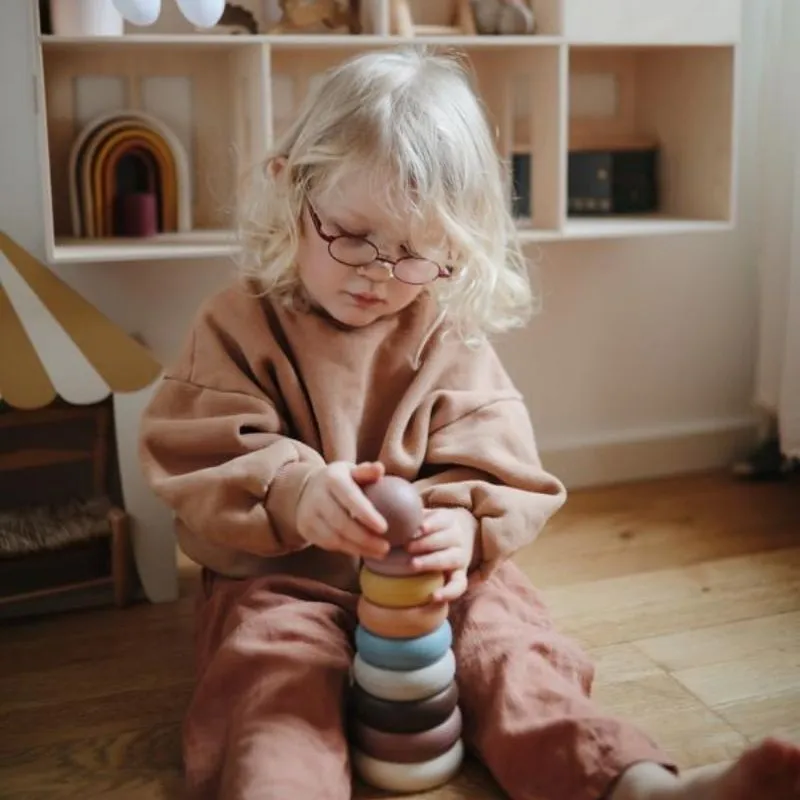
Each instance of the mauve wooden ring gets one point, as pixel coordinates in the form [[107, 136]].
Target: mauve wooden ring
[[396, 563], [409, 748], [399, 592], [400, 623], [409, 717]]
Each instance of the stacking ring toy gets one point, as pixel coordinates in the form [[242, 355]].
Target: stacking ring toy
[[409, 748], [401, 623], [415, 684], [404, 654], [408, 717], [396, 563], [390, 592], [396, 777]]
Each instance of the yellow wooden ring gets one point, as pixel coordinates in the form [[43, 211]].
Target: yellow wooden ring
[[390, 592], [400, 623]]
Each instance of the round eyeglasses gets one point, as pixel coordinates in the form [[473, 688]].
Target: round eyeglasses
[[356, 251]]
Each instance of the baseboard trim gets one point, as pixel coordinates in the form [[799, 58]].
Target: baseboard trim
[[640, 454]]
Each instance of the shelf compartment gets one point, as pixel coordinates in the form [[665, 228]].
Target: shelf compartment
[[522, 88], [678, 100], [210, 100], [682, 22]]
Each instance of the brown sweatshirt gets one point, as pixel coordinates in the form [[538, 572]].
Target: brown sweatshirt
[[262, 396]]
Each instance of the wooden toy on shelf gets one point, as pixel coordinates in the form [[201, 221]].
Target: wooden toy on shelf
[[235, 19], [129, 176], [406, 724], [454, 18], [318, 16], [504, 17]]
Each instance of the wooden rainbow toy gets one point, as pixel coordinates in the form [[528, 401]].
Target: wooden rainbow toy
[[406, 727]]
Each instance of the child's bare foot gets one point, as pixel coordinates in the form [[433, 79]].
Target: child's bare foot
[[768, 771]]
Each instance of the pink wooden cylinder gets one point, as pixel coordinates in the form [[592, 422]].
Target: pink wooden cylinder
[[137, 214]]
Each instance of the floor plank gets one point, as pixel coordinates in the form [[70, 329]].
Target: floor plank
[[724, 643], [673, 600], [686, 592]]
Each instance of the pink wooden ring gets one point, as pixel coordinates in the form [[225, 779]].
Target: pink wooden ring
[[401, 623], [409, 748], [396, 564]]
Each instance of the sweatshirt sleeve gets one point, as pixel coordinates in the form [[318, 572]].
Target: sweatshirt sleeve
[[482, 445], [220, 458]]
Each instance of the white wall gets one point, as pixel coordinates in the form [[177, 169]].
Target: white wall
[[640, 364]]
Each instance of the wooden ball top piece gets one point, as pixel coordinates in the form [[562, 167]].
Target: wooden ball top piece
[[399, 503]]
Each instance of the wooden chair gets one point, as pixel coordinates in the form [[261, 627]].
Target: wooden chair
[[58, 477]]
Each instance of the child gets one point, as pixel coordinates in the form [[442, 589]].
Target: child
[[380, 256]]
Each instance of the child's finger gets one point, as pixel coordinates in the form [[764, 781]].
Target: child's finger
[[367, 472], [321, 534], [436, 519], [342, 545], [431, 542], [445, 560], [350, 497], [453, 589], [351, 530]]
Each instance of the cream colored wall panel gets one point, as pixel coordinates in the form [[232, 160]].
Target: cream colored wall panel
[[652, 21], [96, 95]]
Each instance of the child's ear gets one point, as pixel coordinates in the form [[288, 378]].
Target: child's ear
[[275, 166]]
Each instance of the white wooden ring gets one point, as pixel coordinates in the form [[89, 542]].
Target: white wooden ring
[[407, 778], [405, 685]]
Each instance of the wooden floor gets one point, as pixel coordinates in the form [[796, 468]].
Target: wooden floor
[[686, 591]]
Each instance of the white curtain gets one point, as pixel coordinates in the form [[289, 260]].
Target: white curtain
[[778, 374]]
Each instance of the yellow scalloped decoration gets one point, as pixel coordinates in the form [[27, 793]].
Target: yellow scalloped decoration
[[23, 380], [122, 362]]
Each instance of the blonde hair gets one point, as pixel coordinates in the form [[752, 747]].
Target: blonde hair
[[411, 122]]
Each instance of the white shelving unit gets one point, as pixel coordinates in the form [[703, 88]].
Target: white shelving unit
[[600, 71]]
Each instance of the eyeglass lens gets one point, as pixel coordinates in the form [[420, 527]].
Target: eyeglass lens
[[356, 252]]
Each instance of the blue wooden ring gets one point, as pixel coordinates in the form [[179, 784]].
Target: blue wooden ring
[[404, 654]]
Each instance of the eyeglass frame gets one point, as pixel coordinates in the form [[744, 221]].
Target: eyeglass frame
[[444, 272]]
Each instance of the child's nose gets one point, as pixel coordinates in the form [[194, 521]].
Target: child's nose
[[380, 270]]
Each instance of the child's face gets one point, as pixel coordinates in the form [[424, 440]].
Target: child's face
[[355, 296]]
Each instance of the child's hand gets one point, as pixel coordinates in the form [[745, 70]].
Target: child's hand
[[335, 514], [446, 543]]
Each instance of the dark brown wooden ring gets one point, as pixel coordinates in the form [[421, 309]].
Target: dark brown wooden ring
[[409, 748], [406, 717]]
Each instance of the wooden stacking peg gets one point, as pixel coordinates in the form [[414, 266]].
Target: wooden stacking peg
[[406, 725]]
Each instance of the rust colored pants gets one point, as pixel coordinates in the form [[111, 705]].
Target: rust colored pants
[[266, 721]]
